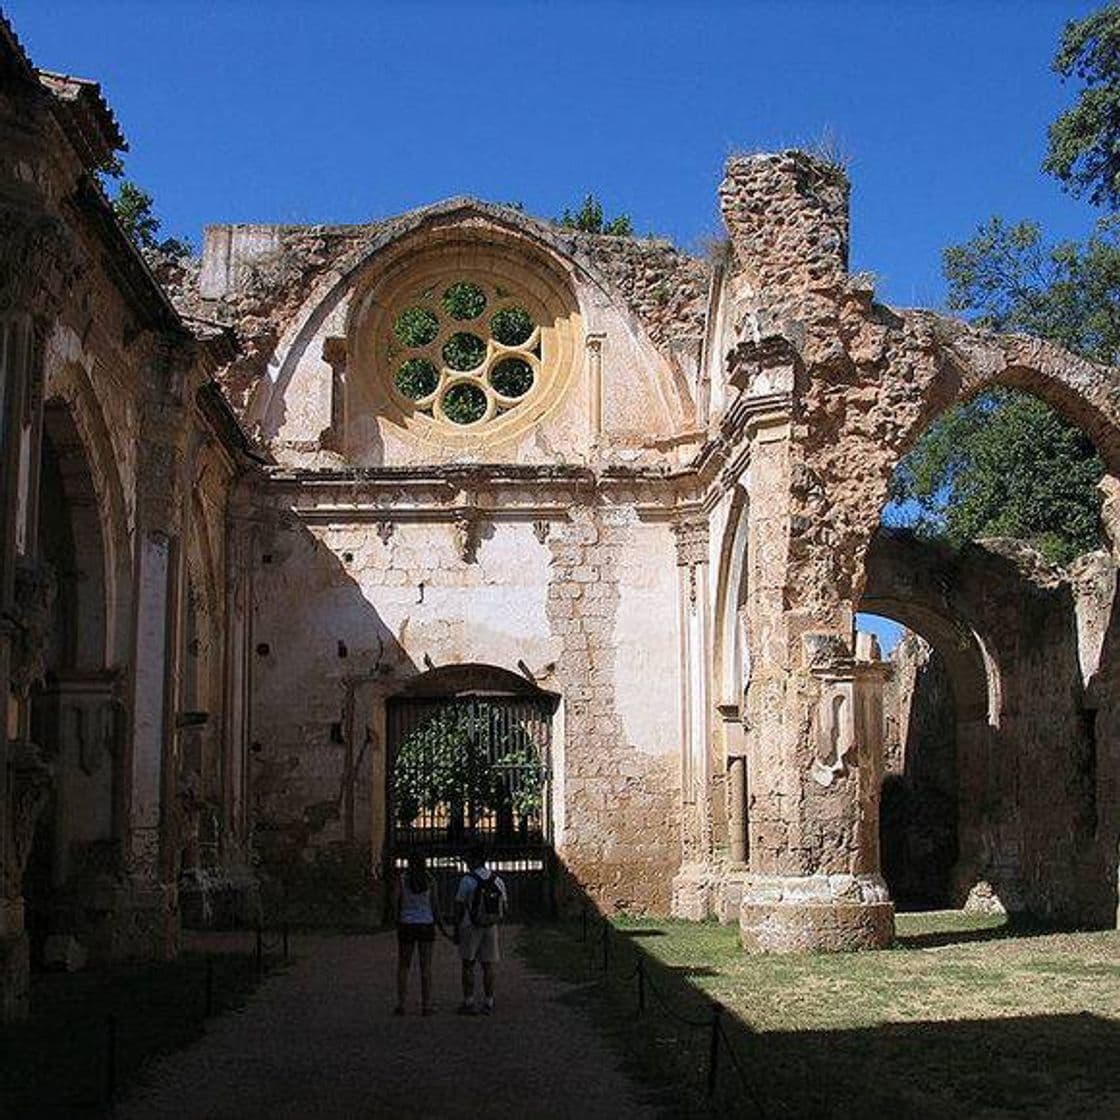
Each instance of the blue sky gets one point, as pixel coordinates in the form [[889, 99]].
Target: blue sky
[[343, 112]]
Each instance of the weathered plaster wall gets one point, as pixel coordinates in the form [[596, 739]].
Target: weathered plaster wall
[[346, 614]]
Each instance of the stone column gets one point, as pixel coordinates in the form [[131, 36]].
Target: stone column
[[38, 269], [26, 593], [694, 883], [814, 739], [147, 923]]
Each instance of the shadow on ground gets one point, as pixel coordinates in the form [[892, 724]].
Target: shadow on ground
[[1038, 1066], [1015, 928]]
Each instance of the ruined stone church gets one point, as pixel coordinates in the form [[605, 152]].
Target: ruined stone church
[[343, 541]]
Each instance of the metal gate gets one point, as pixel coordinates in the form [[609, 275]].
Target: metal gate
[[474, 769]]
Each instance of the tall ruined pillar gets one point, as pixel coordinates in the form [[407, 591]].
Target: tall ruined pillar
[[148, 925], [37, 266], [814, 715]]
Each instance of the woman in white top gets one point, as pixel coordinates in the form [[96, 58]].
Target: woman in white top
[[417, 917]]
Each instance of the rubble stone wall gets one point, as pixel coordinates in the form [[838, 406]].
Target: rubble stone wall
[[1030, 773]]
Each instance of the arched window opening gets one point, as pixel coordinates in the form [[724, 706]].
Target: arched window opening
[[919, 806], [74, 714], [1002, 464]]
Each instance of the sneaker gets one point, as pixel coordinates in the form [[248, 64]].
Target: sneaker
[[488, 1006], [467, 1009]]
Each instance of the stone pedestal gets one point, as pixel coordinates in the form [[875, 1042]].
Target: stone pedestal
[[815, 913], [15, 961], [693, 889], [729, 893]]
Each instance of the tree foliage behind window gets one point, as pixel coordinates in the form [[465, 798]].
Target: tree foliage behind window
[[1004, 464]]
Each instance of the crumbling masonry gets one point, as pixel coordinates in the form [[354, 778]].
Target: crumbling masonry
[[249, 501]]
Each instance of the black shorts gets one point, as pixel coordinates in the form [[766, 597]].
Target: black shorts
[[414, 933]]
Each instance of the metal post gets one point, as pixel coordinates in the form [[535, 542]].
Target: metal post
[[713, 1050], [285, 941], [209, 987], [641, 986], [260, 951], [110, 1058]]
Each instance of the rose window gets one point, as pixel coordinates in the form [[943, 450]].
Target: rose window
[[464, 352]]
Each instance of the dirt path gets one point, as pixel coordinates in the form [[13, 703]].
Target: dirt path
[[320, 1040]]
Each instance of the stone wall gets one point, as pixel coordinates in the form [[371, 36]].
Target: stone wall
[[1007, 735], [346, 615], [918, 822]]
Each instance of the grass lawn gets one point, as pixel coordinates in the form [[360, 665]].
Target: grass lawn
[[964, 1016], [55, 1064]]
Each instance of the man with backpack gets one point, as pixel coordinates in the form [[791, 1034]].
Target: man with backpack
[[480, 904]]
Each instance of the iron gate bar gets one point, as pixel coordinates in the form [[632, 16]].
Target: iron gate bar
[[473, 768]]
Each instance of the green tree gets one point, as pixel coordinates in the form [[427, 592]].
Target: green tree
[[589, 218], [1084, 148], [461, 759], [1005, 464], [133, 208], [1007, 279]]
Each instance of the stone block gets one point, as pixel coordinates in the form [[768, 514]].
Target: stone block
[[64, 953]]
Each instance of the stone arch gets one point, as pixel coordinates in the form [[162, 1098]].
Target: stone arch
[[908, 581], [469, 677], [75, 709], [953, 364], [71, 391]]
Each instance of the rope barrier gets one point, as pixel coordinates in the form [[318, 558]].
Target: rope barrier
[[741, 1072], [715, 1027]]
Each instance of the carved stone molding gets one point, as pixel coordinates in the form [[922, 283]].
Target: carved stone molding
[[542, 527], [30, 779], [35, 588], [385, 530], [765, 365], [468, 531], [692, 542]]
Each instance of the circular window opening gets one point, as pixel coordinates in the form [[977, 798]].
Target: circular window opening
[[463, 351], [512, 326], [512, 377], [416, 326], [417, 378], [464, 301], [464, 404]]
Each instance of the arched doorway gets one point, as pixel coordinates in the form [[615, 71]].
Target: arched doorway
[[469, 753], [75, 710]]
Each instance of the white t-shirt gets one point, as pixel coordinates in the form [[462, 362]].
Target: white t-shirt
[[416, 906], [469, 884]]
